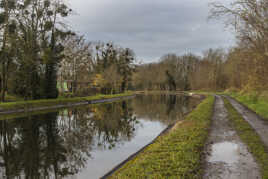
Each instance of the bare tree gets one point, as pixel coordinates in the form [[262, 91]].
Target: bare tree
[[77, 63]]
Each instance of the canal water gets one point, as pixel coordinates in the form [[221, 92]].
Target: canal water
[[85, 142]]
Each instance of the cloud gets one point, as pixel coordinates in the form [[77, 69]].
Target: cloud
[[151, 28]]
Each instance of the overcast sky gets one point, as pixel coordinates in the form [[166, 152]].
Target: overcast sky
[[151, 28]]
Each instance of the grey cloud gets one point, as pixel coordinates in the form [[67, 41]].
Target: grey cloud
[[151, 28]]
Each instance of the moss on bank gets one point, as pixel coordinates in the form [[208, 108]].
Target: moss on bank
[[53, 102], [249, 137], [176, 154]]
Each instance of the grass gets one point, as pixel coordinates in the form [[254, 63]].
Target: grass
[[40, 112], [249, 137], [177, 154], [259, 104], [12, 98], [53, 102], [208, 92]]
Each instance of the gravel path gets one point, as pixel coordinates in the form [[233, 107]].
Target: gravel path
[[260, 126], [226, 156]]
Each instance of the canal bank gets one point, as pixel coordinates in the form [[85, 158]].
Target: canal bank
[[176, 154], [90, 139], [49, 104], [215, 140]]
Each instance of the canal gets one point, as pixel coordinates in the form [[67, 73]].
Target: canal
[[88, 141]]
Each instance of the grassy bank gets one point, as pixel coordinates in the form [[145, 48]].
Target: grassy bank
[[52, 102], [249, 137], [257, 103], [176, 154]]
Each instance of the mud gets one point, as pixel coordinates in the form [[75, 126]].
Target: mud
[[226, 156], [260, 126]]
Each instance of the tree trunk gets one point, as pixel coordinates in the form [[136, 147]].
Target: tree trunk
[[3, 83]]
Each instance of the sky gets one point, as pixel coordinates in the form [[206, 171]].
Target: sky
[[152, 28]]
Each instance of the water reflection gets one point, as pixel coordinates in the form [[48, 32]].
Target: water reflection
[[166, 108], [64, 143]]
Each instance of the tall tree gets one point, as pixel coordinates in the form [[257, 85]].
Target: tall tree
[[249, 18], [39, 31], [125, 67], [77, 62], [7, 30]]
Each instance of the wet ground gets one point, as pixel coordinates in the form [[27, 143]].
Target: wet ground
[[260, 126], [226, 156]]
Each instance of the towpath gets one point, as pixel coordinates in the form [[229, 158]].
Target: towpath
[[260, 126], [227, 157]]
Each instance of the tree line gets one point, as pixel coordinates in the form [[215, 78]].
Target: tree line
[[39, 54], [37, 49], [105, 66], [31, 31], [186, 72], [241, 67]]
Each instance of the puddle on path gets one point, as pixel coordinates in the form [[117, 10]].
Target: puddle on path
[[227, 156], [227, 152]]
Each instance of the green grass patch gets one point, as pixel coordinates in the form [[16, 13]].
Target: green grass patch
[[177, 154], [249, 136], [208, 92], [257, 103], [53, 102], [40, 112], [13, 98]]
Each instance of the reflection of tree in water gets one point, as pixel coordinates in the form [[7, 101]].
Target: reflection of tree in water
[[58, 144], [171, 103], [163, 107], [113, 123]]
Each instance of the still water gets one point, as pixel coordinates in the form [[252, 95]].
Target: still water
[[85, 142]]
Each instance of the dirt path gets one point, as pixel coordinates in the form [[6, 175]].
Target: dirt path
[[260, 126], [226, 156]]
